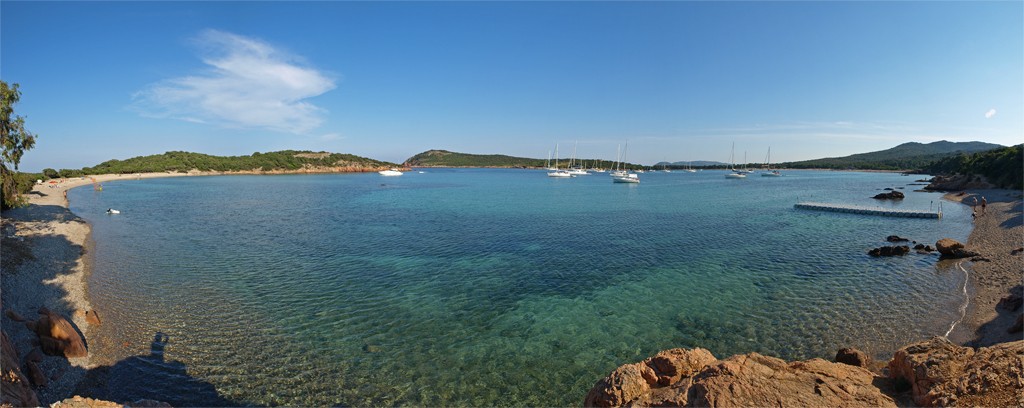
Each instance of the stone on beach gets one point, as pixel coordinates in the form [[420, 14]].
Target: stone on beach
[[57, 336], [946, 246]]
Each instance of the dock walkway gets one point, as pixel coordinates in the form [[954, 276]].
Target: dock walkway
[[857, 209]]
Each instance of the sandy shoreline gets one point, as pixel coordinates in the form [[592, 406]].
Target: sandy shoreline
[[996, 236], [56, 275]]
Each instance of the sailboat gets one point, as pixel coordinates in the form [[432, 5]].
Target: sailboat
[[768, 166], [623, 176], [557, 172], [576, 169], [734, 174]]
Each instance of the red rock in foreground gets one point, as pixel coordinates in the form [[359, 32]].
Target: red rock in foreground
[[944, 374], [680, 377]]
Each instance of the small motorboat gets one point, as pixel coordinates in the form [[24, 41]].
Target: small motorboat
[[112, 211], [392, 172]]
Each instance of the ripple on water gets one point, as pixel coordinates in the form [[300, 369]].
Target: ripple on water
[[493, 287]]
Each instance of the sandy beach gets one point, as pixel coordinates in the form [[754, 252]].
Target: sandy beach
[[45, 263], [997, 235]]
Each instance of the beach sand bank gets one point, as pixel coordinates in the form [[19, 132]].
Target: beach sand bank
[[997, 234]]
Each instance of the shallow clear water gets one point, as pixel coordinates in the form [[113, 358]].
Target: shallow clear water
[[492, 287]]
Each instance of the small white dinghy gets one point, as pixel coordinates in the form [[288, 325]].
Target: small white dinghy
[[112, 211], [392, 172]]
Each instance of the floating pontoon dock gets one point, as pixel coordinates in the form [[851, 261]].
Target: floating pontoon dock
[[857, 209]]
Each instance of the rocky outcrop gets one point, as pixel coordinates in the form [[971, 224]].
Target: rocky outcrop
[[14, 386], [82, 402], [636, 384], [941, 373], [682, 377], [57, 336], [892, 195], [895, 250], [896, 238]]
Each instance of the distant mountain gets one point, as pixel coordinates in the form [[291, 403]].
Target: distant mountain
[[906, 156], [444, 158], [695, 163]]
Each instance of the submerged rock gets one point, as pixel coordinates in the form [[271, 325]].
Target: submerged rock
[[892, 195], [896, 250], [896, 238], [941, 373]]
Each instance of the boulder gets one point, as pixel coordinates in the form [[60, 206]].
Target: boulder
[[896, 250], [941, 373], [946, 246], [681, 377], [892, 195], [896, 238], [755, 380], [639, 383], [57, 336], [854, 357], [14, 386]]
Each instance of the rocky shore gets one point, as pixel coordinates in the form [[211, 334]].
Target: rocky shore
[[986, 371]]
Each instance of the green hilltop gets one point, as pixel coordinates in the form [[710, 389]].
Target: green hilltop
[[286, 160], [906, 156]]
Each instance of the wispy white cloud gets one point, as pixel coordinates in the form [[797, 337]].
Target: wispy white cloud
[[248, 83], [990, 113]]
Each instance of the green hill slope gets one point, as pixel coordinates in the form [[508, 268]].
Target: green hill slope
[[1003, 167], [444, 158], [906, 156], [287, 160]]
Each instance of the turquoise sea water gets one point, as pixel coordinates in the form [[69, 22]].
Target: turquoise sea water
[[485, 287]]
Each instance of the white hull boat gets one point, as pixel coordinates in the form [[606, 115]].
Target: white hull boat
[[391, 172]]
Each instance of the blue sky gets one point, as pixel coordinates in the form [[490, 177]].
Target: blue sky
[[386, 80]]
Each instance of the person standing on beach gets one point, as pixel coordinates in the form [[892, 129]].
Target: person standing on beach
[[984, 202]]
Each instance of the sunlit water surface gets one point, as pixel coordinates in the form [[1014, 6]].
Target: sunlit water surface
[[491, 287]]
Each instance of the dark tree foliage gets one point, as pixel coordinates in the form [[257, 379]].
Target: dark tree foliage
[[14, 141], [1003, 167]]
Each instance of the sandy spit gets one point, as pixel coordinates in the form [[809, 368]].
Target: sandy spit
[[998, 235]]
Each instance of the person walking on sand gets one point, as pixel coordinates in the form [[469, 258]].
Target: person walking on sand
[[984, 202], [974, 208]]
